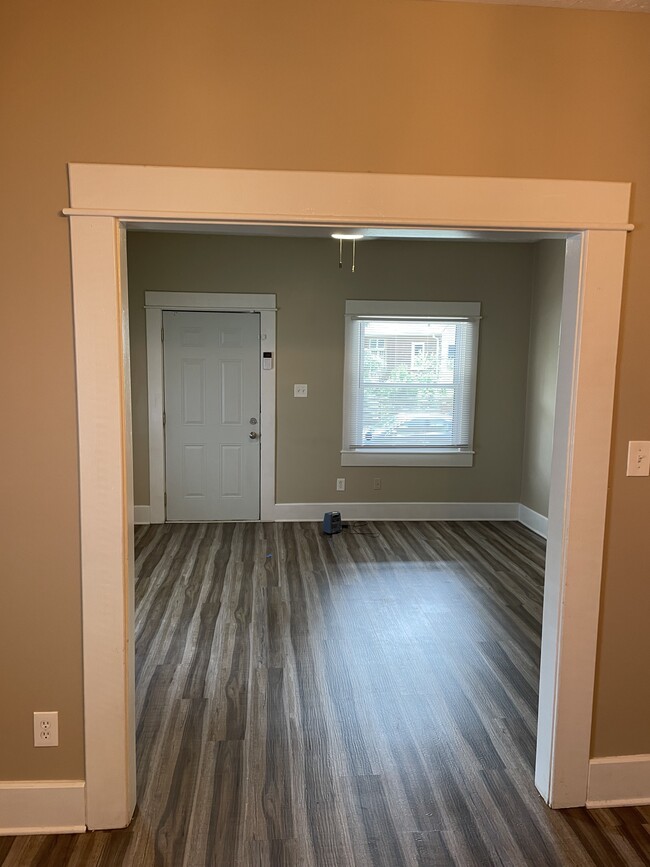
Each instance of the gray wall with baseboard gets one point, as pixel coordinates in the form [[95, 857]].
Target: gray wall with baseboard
[[311, 293]]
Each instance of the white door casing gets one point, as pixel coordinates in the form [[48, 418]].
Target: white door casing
[[595, 214], [212, 406]]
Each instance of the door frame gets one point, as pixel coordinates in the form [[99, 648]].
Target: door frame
[[105, 199], [156, 303]]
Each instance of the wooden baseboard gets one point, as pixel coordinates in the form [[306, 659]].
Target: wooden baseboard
[[533, 520], [399, 511], [619, 781], [42, 807]]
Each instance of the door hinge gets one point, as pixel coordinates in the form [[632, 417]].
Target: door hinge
[[165, 499], [162, 335], [164, 418]]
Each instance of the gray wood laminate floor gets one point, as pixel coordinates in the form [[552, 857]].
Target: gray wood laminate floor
[[365, 700]]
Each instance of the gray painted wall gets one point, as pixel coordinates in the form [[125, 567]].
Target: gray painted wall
[[311, 294], [546, 311]]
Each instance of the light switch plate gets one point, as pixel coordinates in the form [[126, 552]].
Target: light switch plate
[[638, 458], [300, 390]]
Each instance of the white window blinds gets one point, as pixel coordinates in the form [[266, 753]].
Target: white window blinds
[[410, 379]]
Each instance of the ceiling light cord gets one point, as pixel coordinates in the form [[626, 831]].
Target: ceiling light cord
[[342, 236]]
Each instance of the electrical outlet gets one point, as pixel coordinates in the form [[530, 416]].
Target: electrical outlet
[[46, 728], [340, 484], [300, 390], [376, 484]]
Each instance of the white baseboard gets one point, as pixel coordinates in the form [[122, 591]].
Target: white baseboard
[[533, 520], [42, 807], [619, 781], [399, 511], [141, 514]]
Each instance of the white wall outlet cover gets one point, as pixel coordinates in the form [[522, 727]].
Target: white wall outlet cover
[[300, 390], [638, 458], [46, 728], [340, 484]]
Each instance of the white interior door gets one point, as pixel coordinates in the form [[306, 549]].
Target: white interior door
[[212, 415]]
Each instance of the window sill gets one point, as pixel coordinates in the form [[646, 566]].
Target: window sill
[[406, 459]]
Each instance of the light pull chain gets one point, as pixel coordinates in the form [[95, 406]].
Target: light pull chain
[[348, 236]]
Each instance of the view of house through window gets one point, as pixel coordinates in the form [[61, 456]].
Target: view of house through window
[[410, 379]]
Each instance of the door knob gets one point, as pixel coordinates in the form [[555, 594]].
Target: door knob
[[253, 435]]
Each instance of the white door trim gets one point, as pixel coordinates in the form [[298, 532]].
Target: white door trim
[[105, 198], [155, 304]]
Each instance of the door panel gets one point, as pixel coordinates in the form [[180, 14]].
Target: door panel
[[232, 388], [212, 389], [193, 386]]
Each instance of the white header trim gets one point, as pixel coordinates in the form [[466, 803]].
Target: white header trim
[[464, 309], [209, 301], [345, 198]]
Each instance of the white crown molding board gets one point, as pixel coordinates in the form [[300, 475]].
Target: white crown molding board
[[399, 511], [533, 520], [42, 807], [619, 781], [141, 515], [289, 197]]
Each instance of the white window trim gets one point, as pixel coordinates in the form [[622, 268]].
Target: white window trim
[[395, 309], [415, 457], [594, 218]]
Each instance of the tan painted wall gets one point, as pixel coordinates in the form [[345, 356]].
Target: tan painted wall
[[438, 88], [545, 315], [311, 293]]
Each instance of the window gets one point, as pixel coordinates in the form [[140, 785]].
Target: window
[[410, 375]]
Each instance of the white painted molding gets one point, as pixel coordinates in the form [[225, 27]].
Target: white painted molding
[[452, 309], [344, 198], [394, 458], [619, 781], [226, 301], [592, 215], [155, 404], [399, 511], [141, 515], [533, 520], [42, 807], [98, 247], [584, 404]]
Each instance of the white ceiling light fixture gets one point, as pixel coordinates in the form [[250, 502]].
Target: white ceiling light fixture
[[347, 236]]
